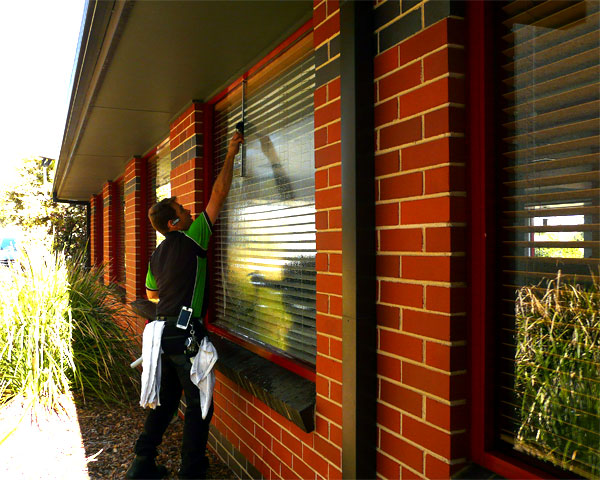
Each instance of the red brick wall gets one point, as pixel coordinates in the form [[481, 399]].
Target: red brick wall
[[135, 224], [110, 203], [420, 216], [187, 158]]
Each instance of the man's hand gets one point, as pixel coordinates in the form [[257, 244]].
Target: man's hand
[[234, 144], [223, 182]]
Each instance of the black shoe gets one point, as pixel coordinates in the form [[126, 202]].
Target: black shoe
[[144, 467]]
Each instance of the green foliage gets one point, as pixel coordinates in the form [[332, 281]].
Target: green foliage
[[559, 252], [558, 374], [59, 332], [102, 336], [36, 357], [27, 202]]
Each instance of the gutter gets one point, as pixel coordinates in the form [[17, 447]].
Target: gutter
[[101, 29], [359, 327]]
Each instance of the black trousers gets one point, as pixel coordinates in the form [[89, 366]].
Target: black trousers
[[175, 377]]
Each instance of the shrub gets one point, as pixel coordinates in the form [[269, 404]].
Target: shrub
[[558, 374]]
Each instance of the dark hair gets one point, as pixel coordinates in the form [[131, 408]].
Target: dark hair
[[161, 213]]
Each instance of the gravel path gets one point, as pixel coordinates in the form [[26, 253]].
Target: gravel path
[[88, 441]]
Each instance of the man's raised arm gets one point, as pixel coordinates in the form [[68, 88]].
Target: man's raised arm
[[223, 182]]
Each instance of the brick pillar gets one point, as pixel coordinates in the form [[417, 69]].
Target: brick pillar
[[96, 238], [187, 158], [110, 203], [135, 224], [421, 229], [328, 220]]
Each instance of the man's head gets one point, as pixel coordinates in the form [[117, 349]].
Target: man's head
[[168, 215]]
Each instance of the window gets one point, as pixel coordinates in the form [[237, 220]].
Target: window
[[264, 278], [120, 221], [546, 312]]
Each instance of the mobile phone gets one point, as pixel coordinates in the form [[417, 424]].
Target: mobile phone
[[185, 315], [240, 127]]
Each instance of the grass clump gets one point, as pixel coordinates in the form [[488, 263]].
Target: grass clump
[[62, 330], [558, 374]]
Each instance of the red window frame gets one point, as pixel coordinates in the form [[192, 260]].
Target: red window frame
[[289, 363], [482, 219]]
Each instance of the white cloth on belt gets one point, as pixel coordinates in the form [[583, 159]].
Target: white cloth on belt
[[202, 374], [151, 366]]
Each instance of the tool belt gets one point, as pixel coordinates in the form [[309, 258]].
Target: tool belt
[[173, 338]]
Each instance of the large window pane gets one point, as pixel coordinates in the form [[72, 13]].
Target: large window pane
[[265, 235], [549, 327]]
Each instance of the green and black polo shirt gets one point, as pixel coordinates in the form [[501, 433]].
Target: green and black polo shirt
[[177, 269]]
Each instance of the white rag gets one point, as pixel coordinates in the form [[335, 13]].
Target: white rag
[[151, 366], [202, 374]]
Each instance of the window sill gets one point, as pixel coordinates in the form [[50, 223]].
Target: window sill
[[287, 393]]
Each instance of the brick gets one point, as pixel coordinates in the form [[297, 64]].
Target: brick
[[436, 469], [387, 214], [322, 343], [335, 175], [387, 467], [321, 221], [332, 6], [404, 294], [432, 325], [329, 283], [329, 325], [334, 132], [450, 387], [401, 397], [386, 12], [329, 410], [442, 33], [433, 210], [334, 89], [387, 163], [322, 262], [329, 368], [444, 120], [401, 186], [445, 357], [400, 133], [389, 367], [319, 14], [446, 416], [388, 417], [423, 434], [328, 155], [335, 219], [331, 197], [329, 240], [320, 137], [402, 28], [400, 81], [335, 263], [335, 436], [335, 305], [401, 345], [443, 269], [386, 62], [327, 113], [428, 96], [320, 96], [315, 461], [401, 240], [445, 239], [330, 451], [443, 299], [402, 450], [445, 179], [388, 266], [326, 30], [388, 316], [386, 112], [335, 346], [442, 62]]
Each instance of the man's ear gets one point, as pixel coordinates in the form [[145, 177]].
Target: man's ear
[[172, 223]]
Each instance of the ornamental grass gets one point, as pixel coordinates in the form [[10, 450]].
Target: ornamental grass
[[558, 374], [62, 330]]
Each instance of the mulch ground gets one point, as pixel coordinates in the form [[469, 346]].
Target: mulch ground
[[85, 441]]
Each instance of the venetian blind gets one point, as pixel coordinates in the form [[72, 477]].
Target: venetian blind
[[549, 374], [265, 279], [160, 176]]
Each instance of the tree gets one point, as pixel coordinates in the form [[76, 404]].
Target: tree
[[27, 203]]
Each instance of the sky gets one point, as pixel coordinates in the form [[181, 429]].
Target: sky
[[38, 43]]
